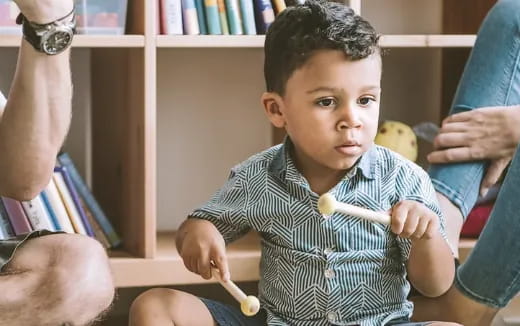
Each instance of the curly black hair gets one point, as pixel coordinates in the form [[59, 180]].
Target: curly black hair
[[315, 25]]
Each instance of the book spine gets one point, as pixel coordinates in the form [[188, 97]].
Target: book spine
[[212, 18], [279, 6], [161, 21], [172, 16], [37, 214], [50, 211], [98, 232], [89, 199], [66, 198], [58, 207], [222, 17], [199, 4], [235, 22], [248, 16], [5, 225], [75, 198], [17, 216], [265, 15], [190, 18]]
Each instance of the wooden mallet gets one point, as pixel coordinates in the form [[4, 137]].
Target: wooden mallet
[[249, 304], [327, 205]]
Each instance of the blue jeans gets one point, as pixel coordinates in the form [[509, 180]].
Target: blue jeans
[[491, 275]]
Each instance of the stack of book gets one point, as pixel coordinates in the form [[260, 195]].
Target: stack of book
[[66, 204], [218, 17]]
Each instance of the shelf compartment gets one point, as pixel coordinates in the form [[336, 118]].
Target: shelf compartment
[[167, 267]]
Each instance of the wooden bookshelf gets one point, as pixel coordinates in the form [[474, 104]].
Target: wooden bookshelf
[[87, 41], [257, 41]]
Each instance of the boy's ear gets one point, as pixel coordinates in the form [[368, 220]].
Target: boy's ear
[[273, 106]]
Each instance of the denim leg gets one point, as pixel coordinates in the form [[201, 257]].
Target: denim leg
[[491, 274], [491, 78]]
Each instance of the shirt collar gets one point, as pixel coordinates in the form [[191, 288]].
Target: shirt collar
[[283, 166]]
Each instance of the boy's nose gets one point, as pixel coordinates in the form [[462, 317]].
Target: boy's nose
[[348, 119]]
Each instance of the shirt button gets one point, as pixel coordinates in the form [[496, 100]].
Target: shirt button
[[326, 217], [332, 316], [328, 251], [329, 273]]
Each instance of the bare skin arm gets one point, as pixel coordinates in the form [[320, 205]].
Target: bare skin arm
[[37, 114]]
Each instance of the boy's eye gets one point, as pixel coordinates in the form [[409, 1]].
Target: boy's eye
[[365, 100], [327, 102]]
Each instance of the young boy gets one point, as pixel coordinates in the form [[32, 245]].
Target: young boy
[[323, 72]]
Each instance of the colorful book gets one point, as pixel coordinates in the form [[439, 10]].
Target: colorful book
[[6, 229], [171, 16], [89, 199], [233, 15], [71, 209], [294, 2], [50, 211], [55, 201], [248, 16], [189, 17], [37, 214], [212, 17], [201, 17], [98, 232], [75, 198], [222, 17], [17, 216], [264, 14]]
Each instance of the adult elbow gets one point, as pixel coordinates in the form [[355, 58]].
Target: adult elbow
[[19, 193], [22, 188]]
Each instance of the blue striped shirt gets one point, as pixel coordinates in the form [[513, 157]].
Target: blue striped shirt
[[318, 270]]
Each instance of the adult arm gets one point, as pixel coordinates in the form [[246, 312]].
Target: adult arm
[[37, 114]]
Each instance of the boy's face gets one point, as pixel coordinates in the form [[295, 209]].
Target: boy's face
[[330, 110]]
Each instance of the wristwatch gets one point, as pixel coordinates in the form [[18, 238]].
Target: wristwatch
[[51, 38]]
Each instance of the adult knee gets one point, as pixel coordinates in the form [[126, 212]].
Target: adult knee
[[153, 301], [82, 278], [508, 12]]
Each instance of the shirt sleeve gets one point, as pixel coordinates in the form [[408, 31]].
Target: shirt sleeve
[[413, 183], [226, 209]]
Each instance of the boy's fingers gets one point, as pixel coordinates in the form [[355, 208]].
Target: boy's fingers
[[222, 265], [433, 227], [204, 268], [411, 224], [398, 219], [191, 264], [422, 226]]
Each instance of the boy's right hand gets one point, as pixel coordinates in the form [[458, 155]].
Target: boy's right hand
[[199, 243]]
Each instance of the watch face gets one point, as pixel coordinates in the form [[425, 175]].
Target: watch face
[[56, 41]]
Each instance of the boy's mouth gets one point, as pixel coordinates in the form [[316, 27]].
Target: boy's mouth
[[349, 148]]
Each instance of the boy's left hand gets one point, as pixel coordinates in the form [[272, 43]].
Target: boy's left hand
[[411, 219]]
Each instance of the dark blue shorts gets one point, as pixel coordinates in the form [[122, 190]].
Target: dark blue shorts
[[226, 315]]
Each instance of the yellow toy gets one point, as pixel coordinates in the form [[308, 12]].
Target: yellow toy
[[398, 137]]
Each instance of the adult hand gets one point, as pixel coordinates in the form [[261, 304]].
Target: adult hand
[[490, 133], [482, 134], [44, 11]]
